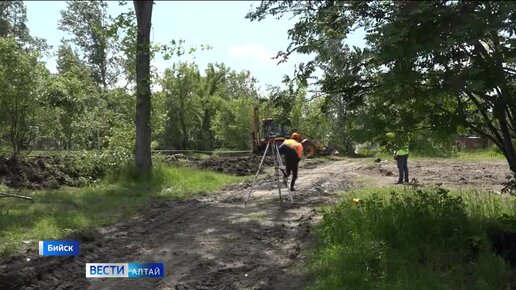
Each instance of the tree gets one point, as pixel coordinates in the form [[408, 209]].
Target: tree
[[283, 100], [92, 32], [181, 87], [143, 159], [436, 61], [316, 123], [232, 120], [212, 83], [20, 82], [238, 84], [69, 62], [197, 106], [124, 28], [71, 90], [13, 18], [232, 123]]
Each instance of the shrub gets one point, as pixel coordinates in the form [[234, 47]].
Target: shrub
[[418, 239]]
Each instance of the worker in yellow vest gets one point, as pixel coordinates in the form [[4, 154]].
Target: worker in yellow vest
[[293, 151], [401, 156]]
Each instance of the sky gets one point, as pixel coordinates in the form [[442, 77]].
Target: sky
[[236, 41]]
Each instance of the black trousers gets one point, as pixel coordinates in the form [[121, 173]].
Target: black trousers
[[402, 168], [292, 166]]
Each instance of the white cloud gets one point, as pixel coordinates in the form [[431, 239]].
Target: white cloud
[[254, 52]]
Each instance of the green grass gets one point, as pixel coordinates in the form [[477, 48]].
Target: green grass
[[185, 182], [56, 213], [479, 155], [404, 239]]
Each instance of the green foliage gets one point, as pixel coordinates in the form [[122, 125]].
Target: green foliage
[[283, 100], [210, 98], [124, 30], [13, 18], [305, 115], [71, 92], [88, 23], [438, 66], [415, 239], [122, 138], [180, 86], [313, 121], [233, 123], [203, 111], [102, 163], [21, 82]]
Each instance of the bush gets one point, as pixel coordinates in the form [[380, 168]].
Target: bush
[[101, 163], [421, 239]]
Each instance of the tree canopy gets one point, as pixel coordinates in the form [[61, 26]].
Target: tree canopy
[[430, 70], [437, 65]]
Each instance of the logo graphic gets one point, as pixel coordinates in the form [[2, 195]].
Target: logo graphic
[[125, 270], [58, 248]]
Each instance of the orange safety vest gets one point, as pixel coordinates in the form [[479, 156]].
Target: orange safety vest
[[295, 145]]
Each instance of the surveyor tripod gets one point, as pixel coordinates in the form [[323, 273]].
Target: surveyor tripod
[[278, 166]]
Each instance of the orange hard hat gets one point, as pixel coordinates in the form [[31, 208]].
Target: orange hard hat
[[295, 136]]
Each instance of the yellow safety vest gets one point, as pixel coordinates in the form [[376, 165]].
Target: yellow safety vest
[[403, 151]]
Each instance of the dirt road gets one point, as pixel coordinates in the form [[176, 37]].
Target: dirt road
[[214, 242]]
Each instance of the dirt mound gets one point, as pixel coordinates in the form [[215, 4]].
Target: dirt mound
[[378, 168], [240, 166], [41, 172]]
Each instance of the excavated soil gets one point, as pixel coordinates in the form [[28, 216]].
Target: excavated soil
[[239, 166], [215, 242], [42, 172]]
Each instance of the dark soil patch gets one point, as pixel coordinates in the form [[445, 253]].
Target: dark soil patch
[[238, 253], [503, 244], [240, 166], [42, 172]]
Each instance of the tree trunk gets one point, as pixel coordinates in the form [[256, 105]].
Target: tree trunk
[[508, 148], [184, 135], [14, 131], [206, 131], [143, 160], [69, 141]]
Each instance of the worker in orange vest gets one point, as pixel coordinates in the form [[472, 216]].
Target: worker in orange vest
[[293, 151]]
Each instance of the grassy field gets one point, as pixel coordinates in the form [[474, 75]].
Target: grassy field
[[478, 155], [56, 213], [412, 239]]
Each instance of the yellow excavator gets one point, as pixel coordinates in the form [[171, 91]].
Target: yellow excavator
[[280, 130]]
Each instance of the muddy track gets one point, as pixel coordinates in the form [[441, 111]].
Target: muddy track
[[212, 242]]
